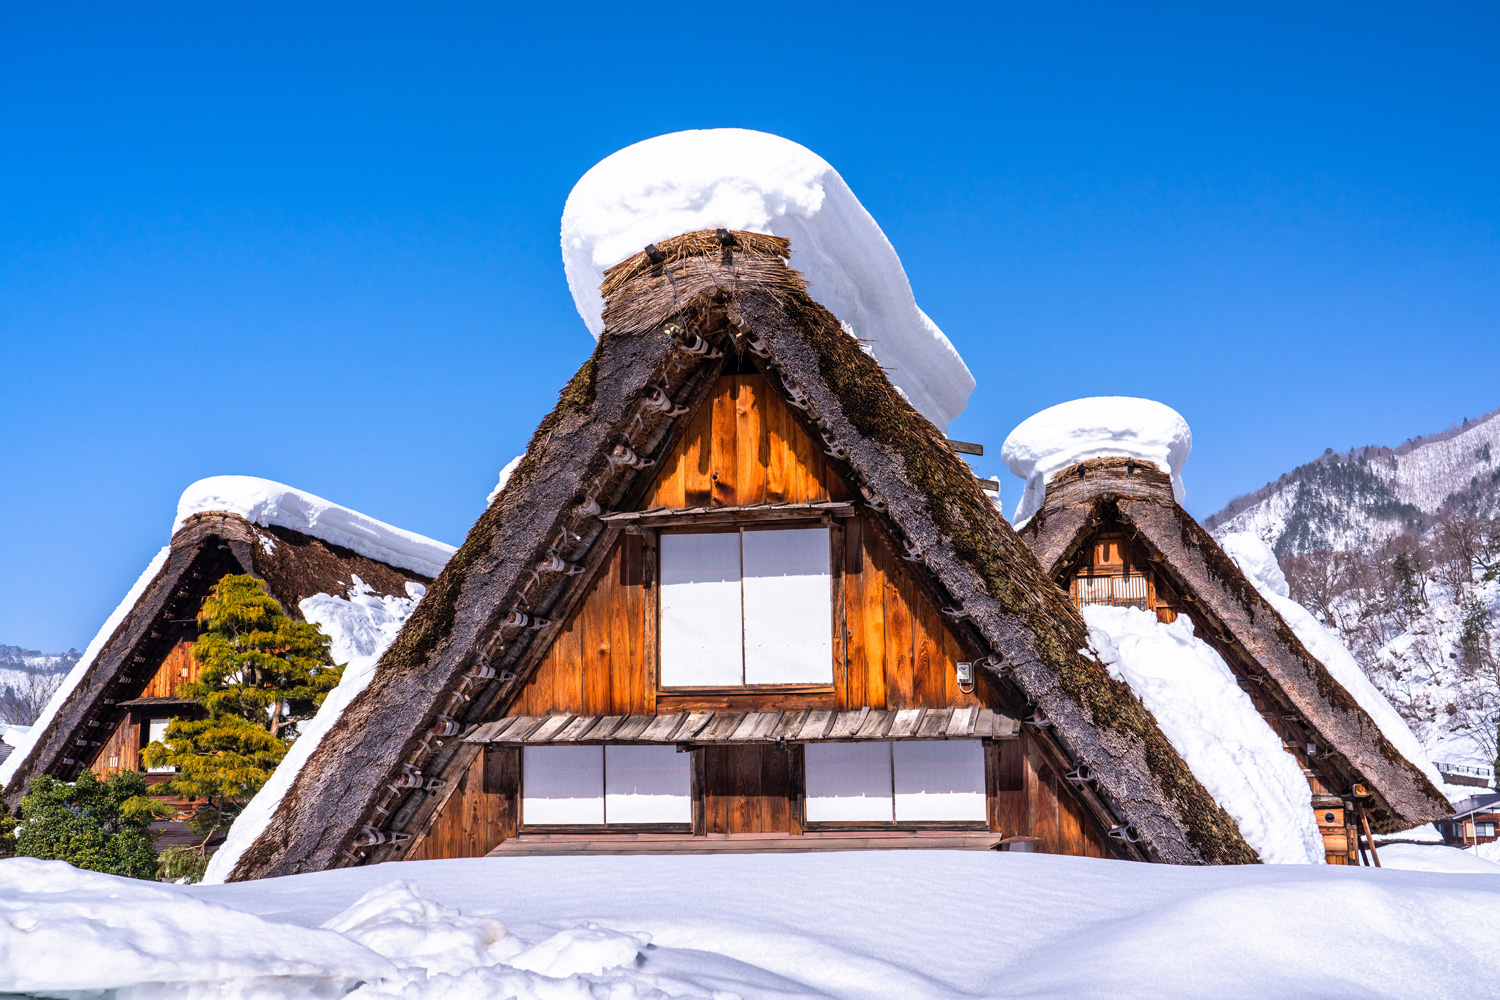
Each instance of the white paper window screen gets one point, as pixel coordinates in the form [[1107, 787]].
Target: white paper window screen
[[940, 780], [562, 785], [848, 782], [701, 640], [748, 607], [157, 733], [904, 782], [647, 784], [788, 606]]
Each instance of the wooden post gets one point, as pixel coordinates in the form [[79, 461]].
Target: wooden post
[[1371, 840]]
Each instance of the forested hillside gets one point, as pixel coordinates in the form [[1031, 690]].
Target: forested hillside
[[1399, 548]]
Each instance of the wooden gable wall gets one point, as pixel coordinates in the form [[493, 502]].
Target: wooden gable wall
[[743, 447]]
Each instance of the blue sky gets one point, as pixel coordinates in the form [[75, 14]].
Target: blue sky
[[318, 243]]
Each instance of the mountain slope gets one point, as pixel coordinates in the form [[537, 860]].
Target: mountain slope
[[1362, 498], [1399, 550]]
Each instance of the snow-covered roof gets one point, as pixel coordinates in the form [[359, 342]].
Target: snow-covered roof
[[1212, 722], [1060, 436], [1256, 560], [739, 179], [28, 740], [263, 502], [260, 502]]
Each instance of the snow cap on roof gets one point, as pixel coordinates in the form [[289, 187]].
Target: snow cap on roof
[[1060, 436], [730, 178], [265, 503]]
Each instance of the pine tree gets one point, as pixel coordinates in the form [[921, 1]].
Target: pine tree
[[260, 672], [255, 661], [104, 826]]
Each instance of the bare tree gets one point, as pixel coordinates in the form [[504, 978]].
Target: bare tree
[[21, 703]]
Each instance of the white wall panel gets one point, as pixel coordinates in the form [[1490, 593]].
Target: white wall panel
[[647, 784], [701, 634], [939, 780], [562, 785], [788, 606], [848, 782]]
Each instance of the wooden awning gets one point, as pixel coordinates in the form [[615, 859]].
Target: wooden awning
[[751, 727]]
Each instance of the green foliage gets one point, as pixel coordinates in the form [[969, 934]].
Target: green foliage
[[7, 832], [255, 661], [182, 864], [104, 826], [260, 671], [226, 759]]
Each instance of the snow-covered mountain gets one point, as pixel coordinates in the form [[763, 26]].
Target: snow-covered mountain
[[1399, 550], [1362, 498]]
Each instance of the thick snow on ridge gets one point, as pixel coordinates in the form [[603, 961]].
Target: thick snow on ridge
[[264, 502], [75, 676], [1046, 443], [767, 927], [1256, 560], [734, 178], [360, 626], [1214, 725]]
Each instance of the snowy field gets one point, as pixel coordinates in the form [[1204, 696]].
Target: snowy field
[[878, 924]]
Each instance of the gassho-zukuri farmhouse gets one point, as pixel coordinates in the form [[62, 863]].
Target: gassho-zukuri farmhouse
[[741, 593]]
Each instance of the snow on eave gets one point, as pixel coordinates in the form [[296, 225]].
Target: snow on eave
[[75, 676], [267, 503]]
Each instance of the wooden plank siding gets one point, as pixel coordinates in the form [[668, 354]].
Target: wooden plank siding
[[177, 669], [744, 447], [483, 810], [122, 750]]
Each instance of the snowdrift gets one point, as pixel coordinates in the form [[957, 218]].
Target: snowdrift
[[920, 924]]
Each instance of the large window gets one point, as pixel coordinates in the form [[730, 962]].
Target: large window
[[746, 607], [602, 785], [900, 782]]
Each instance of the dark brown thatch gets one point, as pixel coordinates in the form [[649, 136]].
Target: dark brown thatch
[[1121, 494], [673, 318], [293, 565]]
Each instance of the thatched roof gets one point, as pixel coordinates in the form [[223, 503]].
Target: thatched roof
[[675, 315], [293, 565], [1137, 498]]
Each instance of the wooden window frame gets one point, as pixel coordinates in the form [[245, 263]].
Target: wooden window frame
[[599, 829], [748, 697], [854, 826]]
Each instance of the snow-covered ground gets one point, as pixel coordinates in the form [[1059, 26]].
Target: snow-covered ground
[[1048, 442], [919, 924], [733, 178]]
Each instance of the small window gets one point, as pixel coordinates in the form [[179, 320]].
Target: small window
[[1484, 828], [901, 782], [157, 731], [596, 786], [750, 607]]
